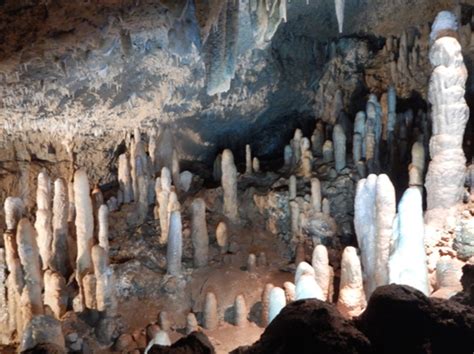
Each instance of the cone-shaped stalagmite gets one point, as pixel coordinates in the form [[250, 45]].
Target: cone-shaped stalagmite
[[55, 295], [229, 185], [240, 311], [14, 209], [351, 301], [125, 178], [277, 301], [320, 263], [60, 260], [339, 141], [105, 287], [407, 264], [199, 233], [44, 218], [175, 244], [211, 317]]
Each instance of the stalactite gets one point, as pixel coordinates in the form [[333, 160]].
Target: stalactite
[[340, 13]]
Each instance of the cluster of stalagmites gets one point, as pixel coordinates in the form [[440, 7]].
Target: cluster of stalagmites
[[42, 263]]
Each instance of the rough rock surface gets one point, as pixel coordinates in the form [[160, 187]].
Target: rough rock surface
[[194, 343], [400, 319], [309, 326]]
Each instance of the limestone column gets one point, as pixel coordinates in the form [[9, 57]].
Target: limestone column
[[229, 186], [199, 235], [450, 113]]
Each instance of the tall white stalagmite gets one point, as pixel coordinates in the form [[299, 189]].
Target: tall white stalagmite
[[407, 263], [308, 288], [417, 165], [340, 13], [55, 295], [14, 209], [339, 141], [386, 209], [248, 160], [175, 244], [365, 223], [125, 178], [31, 301], [199, 233], [84, 223], [105, 286], [450, 113], [322, 271], [44, 218], [351, 301], [229, 185], [60, 260], [277, 301], [103, 234], [316, 194]]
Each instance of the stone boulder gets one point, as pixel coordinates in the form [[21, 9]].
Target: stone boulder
[[194, 343], [400, 319], [309, 326]]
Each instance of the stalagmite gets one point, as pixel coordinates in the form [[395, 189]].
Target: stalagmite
[[240, 312], [256, 165], [211, 317], [4, 319], [175, 169], [303, 268], [163, 200], [277, 301], [339, 141], [417, 166], [320, 263], [266, 304], [407, 263], [365, 228], [222, 237], [316, 194], [125, 178], [450, 113], [161, 338], [317, 140], [292, 188], [262, 260], [199, 233], [55, 295], [351, 301], [191, 323], [328, 151], [288, 155], [229, 186], [340, 13], [385, 214], [105, 287], [14, 209], [84, 223], [251, 263], [103, 234], [175, 244], [248, 160], [326, 207], [289, 291], [142, 183], [43, 220], [294, 220], [359, 130], [31, 301], [60, 260], [307, 288]]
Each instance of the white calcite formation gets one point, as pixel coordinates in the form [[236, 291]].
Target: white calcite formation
[[374, 213], [277, 301], [60, 260], [240, 311], [222, 237], [199, 233], [105, 285], [103, 234], [351, 301], [339, 4], [14, 209], [308, 288], [316, 194], [229, 186], [55, 295], [302, 269], [407, 263], [417, 166], [175, 244], [266, 304], [44, 218], [450, 113], [84, 224], [339, 141], [125, 178], [322, 272], [211, 317]]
